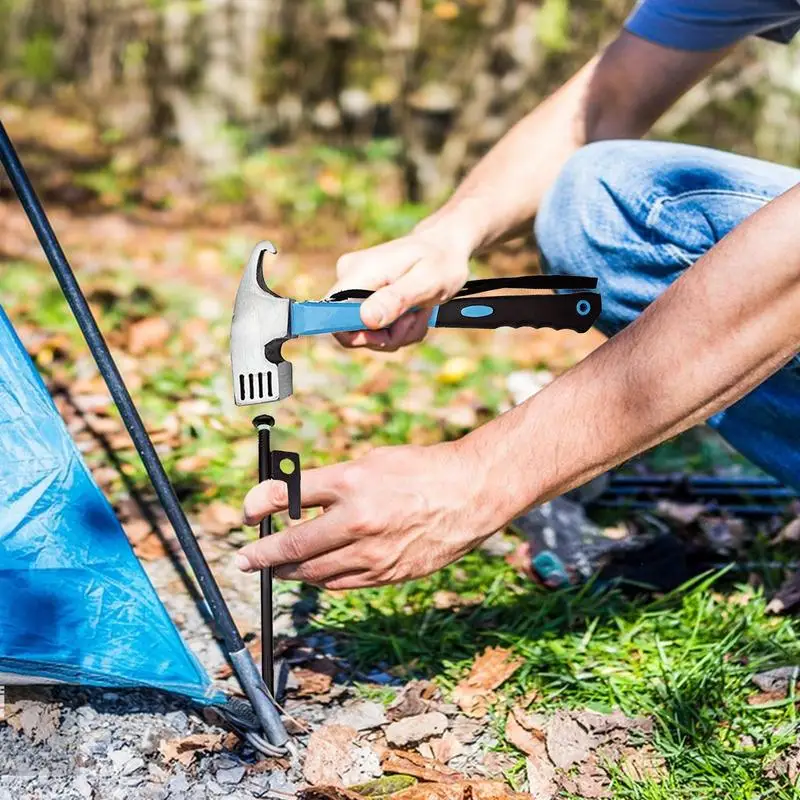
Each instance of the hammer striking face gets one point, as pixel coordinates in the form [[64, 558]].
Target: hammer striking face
[[263, 320]]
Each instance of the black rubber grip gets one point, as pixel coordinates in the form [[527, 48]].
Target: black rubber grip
[[577, 311]]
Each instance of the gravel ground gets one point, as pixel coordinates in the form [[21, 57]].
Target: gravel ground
[[93, 744]]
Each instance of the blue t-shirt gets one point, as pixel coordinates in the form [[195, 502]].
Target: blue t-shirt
[[713, 24]]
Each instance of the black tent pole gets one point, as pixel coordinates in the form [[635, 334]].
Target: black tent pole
[[242, 661]]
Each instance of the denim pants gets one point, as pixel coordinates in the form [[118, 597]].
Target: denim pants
[[636, 215]]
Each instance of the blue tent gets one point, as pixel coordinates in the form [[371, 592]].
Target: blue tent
[[75, 604]]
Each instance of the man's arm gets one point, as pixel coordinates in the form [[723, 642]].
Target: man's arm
[[619, 94], [709, 339], [403, 512]]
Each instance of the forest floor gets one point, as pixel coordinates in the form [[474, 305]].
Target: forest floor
[[473, 682]]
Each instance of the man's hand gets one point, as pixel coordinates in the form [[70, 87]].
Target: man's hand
[[396, 514], [417, 271]]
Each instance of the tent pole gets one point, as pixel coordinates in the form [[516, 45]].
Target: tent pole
[[246, 671]]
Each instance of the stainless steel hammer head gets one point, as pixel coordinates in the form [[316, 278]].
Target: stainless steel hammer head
[[260, 326]]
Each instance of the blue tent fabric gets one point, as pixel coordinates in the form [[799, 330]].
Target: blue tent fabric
[[75, 604]]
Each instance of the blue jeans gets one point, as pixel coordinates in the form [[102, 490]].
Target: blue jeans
[[636, 215]]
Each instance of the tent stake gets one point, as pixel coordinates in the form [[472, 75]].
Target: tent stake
[[246, 671]]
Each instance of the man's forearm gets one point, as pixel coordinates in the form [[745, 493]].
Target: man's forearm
[[731, 321]]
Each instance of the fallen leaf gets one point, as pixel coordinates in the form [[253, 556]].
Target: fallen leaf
[[184, 750], [219, 518], [524, 740], [147, 334], [442, 749], [316, 679], [541, 777], [643, 764], [463, 790], [329, 754], [455, 370], [590, 782], [490, 670], [151, 548], [137, 530], [35, 719], [682, 513], [444, 600], [762, 698], [789, 533], [404, 762], [193, 463], [384, 786], [567, 742], [328, 793], [416, 697], [446, 10]]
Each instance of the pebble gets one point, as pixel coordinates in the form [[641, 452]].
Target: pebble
[[362, 716], [177, 720], [230, 776], [178, 784], [82, 786], [119, 758], [132, 765], [413, 730]]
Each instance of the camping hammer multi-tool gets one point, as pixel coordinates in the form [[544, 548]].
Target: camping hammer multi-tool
[[263, 320]]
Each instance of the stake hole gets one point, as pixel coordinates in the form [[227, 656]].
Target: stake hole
[[287, 466]]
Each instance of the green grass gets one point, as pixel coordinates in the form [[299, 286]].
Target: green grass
[[686, 659]]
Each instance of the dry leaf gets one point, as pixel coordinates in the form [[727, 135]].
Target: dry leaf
[[524, 740], [682, 513], [442, 749], [446, 10], [444, 600], [137, 530], [762, 698], [463, 790], [316, 679], [35, 719], [328, 793], [416, 697], [219, 519], [789, 533], [567, 742], [643, 764], [147, 334], [184, 750], [490, 670], [151, 548], [329, 754], [403, 762], [541, 778], [193, 463]]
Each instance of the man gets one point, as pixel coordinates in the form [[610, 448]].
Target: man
[[698, 256]]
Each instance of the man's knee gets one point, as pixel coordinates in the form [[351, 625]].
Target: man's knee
[[585, 214]]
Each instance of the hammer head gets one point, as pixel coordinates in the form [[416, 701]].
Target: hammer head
[[260, 326]]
